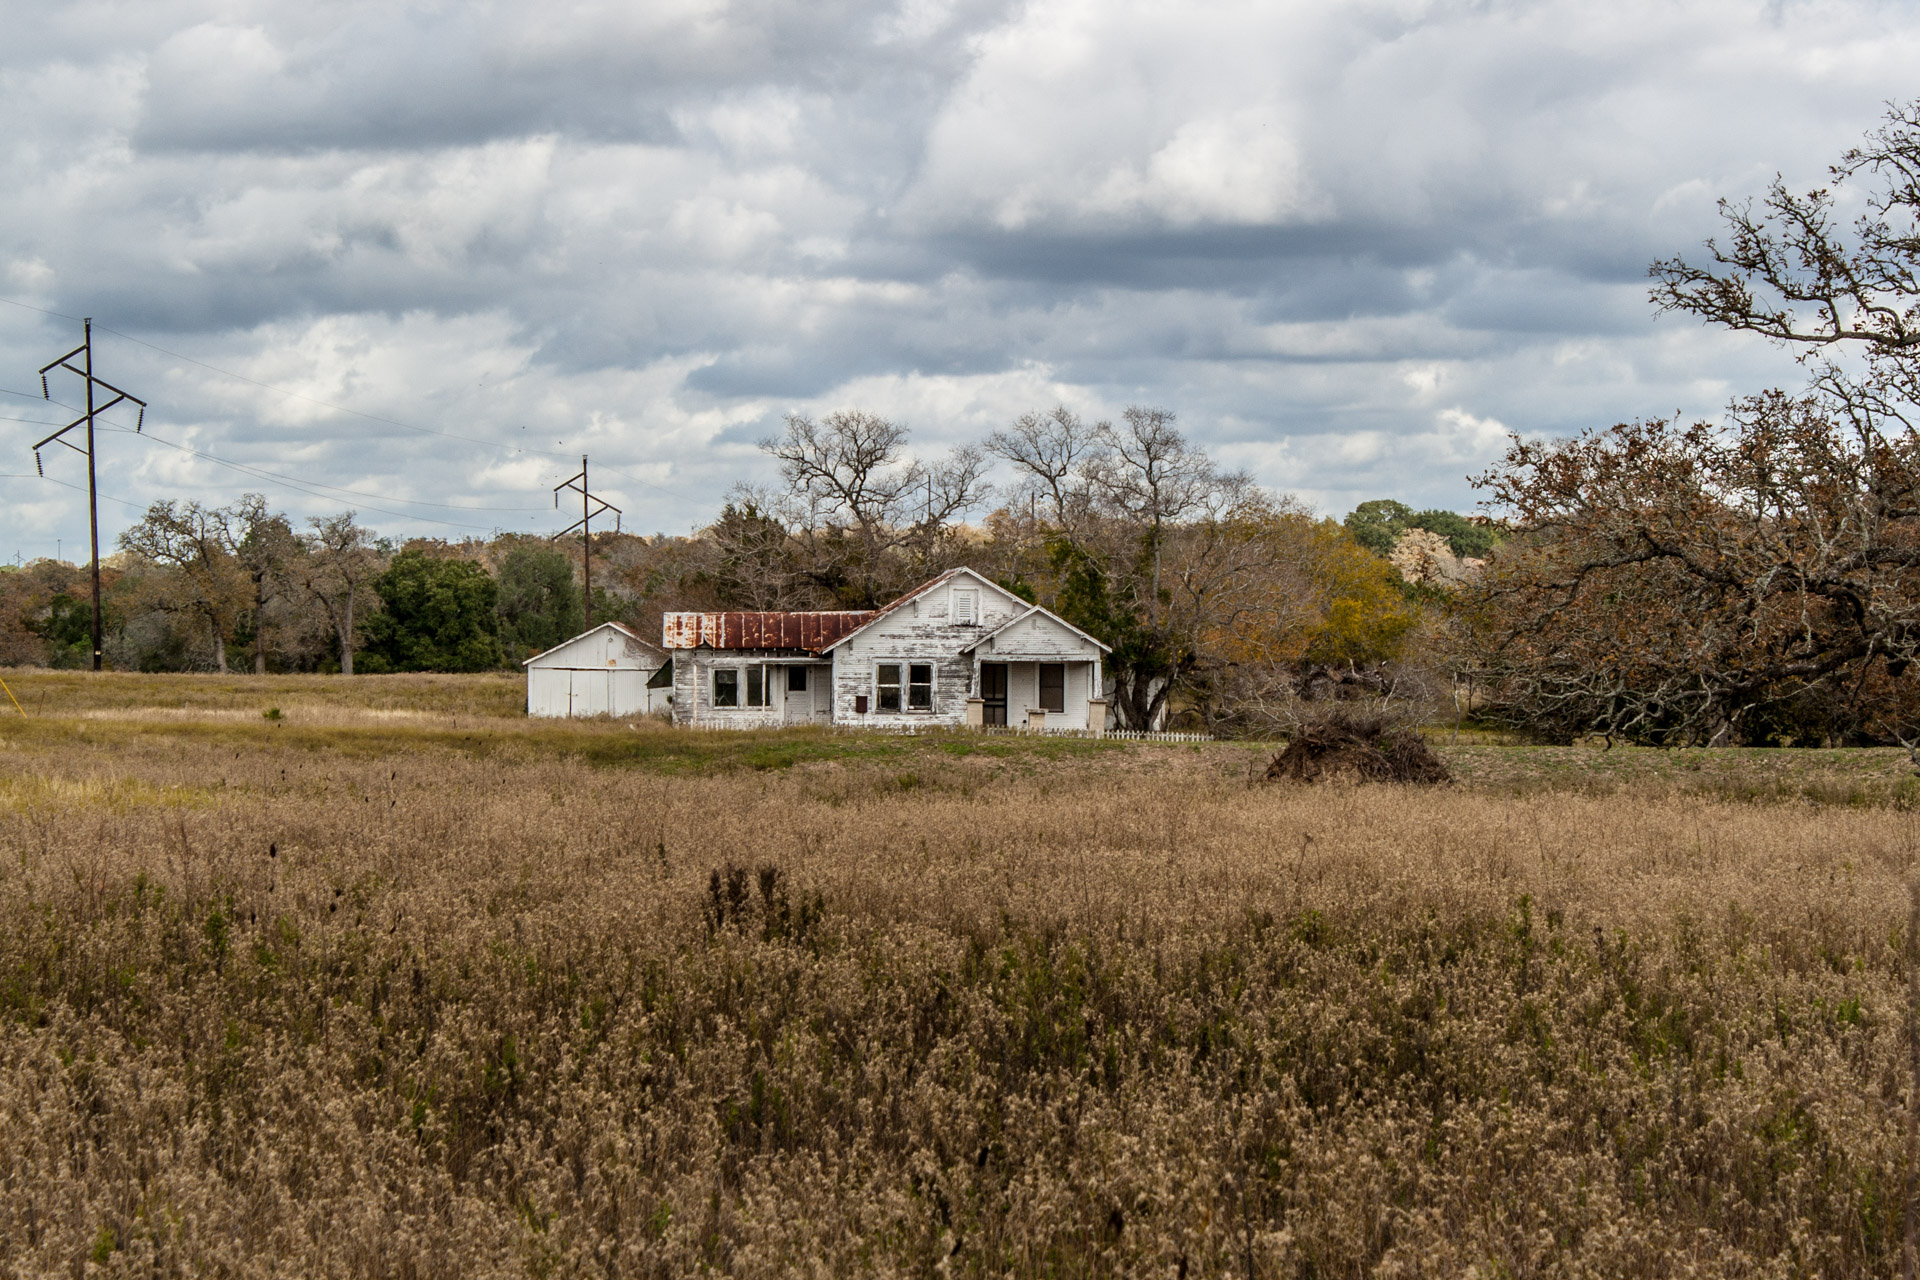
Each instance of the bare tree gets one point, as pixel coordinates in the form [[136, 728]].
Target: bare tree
[[1053, 452], [266, 546], [865, 504], [1791, 273], [1117, 498], [196, 548], [754, 565], [340, 563], [1791, 270], [1153, 478]]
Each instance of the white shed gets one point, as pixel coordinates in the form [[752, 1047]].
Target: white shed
[[607, 671]]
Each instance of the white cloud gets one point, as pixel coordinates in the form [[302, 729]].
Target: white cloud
[[1346, 242]]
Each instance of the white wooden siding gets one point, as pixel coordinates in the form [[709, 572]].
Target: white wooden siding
[[1038, 637], [693, 689], [599, 672], [918, 630]]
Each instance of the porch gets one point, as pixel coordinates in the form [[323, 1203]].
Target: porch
[[1042, 692]]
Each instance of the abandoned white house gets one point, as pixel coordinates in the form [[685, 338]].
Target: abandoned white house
[[604, 671], [957, 650]]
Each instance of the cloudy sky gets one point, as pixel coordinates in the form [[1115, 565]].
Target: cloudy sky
[[415, 258]]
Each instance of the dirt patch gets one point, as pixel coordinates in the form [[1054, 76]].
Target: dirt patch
[[1357, 749]]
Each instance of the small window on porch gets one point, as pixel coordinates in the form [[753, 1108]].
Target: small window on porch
[[796, 679], [726, 687], [1053, 686], [920, 687], [886, 686]]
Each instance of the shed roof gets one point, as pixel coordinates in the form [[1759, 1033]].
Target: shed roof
[[625, 632], [809, 632]]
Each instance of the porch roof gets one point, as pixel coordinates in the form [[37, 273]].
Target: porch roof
[[1050, 616]]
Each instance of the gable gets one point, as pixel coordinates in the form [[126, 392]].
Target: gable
[[1038, 634], [607, 645], [933, 604]]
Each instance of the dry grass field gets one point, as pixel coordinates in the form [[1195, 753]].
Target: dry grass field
[[397, 984]]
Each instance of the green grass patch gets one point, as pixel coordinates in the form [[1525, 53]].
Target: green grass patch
[[604, 744]]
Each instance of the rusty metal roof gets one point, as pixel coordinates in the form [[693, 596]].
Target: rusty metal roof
[[808, 632]]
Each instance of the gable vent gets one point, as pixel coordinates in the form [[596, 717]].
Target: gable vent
[[966, 607]]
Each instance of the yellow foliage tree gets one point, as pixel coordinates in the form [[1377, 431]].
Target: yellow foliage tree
[[1318, 596]]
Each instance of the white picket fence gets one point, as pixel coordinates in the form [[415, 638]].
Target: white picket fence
[[1128, 735]]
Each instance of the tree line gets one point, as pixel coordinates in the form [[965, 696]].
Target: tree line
[[1213, 592], [1754, 579], [201, 588]]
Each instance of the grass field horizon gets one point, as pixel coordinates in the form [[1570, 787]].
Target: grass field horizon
[[398, 982]]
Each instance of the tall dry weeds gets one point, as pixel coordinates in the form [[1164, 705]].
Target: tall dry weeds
[[286, 1011]]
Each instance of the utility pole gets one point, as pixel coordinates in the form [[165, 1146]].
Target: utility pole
[[85, 370], [587, 512]]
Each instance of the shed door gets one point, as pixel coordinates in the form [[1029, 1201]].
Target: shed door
[[629, 692], [546, 692], [592, 693]]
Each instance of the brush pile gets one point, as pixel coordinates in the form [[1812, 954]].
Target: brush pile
[[1356, 746]]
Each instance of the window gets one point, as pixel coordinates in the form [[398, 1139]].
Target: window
[[1053, 686], [920, 687], [726, 687], [886, 686], [756, 686], [796, 679], [966, 608]]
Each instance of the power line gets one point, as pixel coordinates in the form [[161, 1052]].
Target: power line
[[27, 475], [303, 485], [298, 487], [326, 404], [338, 408], [371, 417], [58, 315]]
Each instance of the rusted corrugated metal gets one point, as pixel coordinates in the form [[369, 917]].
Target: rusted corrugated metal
[[805, 632]]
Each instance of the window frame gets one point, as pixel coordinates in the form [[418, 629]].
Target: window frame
[[743, 676], [1040, 686], [797, 669], [914, 686], [881, 688]]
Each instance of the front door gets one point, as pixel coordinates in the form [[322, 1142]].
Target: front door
[[993, 693], [805, 686]]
